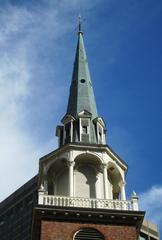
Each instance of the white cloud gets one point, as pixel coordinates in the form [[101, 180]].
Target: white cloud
[[19, 151], [151, 202], [24, 32]]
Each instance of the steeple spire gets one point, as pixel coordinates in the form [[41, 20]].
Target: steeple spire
[[81, 92]]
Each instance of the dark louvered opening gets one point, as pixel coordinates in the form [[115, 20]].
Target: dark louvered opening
[[88, 234]]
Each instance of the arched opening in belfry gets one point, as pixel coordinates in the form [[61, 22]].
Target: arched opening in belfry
[[62, 182], [85, 179], [85, 176], [115, 179], [57, 178]]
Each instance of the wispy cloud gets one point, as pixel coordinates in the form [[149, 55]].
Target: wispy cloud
[[19, 152], [151, 202], [27, 34]]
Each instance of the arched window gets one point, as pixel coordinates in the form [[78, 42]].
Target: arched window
[[61, 186], [88, 234]]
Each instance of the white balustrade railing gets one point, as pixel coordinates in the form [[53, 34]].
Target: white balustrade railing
[[63, 201]]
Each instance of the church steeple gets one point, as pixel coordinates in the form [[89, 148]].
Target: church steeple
[[84, 172], [81, 121]]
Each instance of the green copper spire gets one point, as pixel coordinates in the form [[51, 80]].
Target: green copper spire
[[81, 91], [81, 123]]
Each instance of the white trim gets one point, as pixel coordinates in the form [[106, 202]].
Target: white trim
[[105, 182], [80, 130], [51, 200], [71, 131], [122, 190], [71, 178]]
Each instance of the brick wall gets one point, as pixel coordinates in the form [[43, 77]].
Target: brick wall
[[52, 230]]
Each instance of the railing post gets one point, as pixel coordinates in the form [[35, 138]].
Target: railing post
[[123, 196], [41, 193], [134, 202]]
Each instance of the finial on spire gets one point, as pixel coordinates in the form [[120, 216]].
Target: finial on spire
[[80, 21]]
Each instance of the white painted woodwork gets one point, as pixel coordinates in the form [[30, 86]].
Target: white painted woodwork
[[123, 195], [105, 181], [88, 177], [63, 201], [71, 178]]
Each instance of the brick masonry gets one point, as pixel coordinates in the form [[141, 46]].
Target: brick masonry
[[53, 230]]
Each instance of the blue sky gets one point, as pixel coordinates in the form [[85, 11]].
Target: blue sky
[[123, 43]]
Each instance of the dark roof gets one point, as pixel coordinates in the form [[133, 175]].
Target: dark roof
[[19, 194]]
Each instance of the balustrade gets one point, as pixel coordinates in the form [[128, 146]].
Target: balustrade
[[63, 201]]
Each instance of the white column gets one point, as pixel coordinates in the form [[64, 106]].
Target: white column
[[71, 132], [105, 180], [80, 130], [123, 196], [71, 178]]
